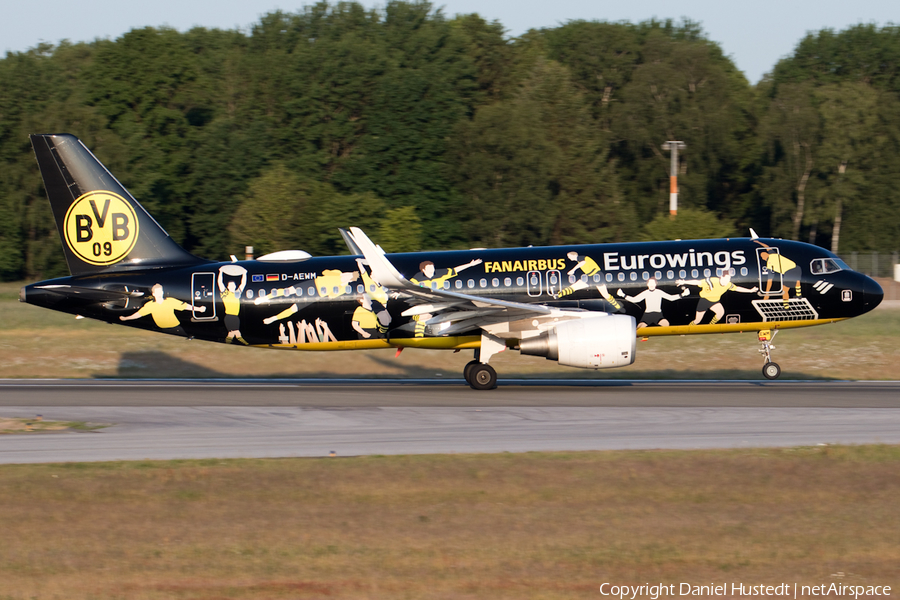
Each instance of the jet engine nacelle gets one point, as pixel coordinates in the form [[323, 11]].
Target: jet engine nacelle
[[591, 343]]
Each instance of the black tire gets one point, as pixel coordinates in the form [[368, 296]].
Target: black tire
[[771, 370], [482, 377], [467, 370]]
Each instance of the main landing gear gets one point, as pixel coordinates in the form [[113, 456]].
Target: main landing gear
[[770, 370], [480, 375]]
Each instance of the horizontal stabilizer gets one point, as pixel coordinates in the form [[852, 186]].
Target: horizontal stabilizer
[[86, 293]]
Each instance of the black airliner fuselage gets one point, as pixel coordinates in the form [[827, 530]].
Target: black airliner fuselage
[[581, 305]]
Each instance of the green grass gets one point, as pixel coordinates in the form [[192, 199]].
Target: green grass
[[533, 525]]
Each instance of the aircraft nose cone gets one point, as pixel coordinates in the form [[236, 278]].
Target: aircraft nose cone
[[872, 293]]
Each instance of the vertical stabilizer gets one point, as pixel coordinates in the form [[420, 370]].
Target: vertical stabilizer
[[101, 225]]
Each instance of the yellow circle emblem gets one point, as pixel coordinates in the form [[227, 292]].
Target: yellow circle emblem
[[101, 228]]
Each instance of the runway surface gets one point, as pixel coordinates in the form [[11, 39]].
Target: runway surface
[[222, 419], [359, 393]]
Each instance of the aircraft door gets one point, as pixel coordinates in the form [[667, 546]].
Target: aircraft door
[[203, 293], [765, 273], [534, 283], [554, 282]]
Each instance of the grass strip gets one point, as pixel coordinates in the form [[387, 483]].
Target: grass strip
[[534, 525], [36, 425]]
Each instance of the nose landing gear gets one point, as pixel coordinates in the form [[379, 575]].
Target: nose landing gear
[[770, 370]]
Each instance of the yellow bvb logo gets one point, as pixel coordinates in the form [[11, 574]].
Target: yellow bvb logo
[[101, 228]]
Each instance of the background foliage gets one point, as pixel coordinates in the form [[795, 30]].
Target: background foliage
[[431, 132]]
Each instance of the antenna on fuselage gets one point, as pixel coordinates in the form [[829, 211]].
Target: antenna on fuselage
[[753, 235]]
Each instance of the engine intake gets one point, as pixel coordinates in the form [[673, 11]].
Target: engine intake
[[591, 343]]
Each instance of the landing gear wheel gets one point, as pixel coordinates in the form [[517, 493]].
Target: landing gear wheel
[[482, 377], [771, 370], [467, 370]]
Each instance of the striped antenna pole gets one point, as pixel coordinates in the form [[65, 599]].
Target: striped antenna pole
[[673, 147]]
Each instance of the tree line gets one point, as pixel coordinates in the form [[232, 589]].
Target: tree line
[[432, 132]]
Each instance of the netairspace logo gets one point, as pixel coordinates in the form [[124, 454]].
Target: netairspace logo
[[783, 590]]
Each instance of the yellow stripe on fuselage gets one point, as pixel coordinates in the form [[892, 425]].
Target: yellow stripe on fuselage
[[436, 343], [731, 327]]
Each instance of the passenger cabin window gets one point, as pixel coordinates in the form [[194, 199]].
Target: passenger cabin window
[[621, 276], [823, 266], [471, 284], [596, 277], [609, 277], [670, 274], [520, 281], [311, 291], [744, 271], [645, 275], [507, 282], [695, 273], [633, 276], [572, 279], [446, 285], [495, 282], [657, 275], [458, 284], [482, 283]]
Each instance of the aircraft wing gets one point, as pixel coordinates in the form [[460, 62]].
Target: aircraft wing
[[460, 312]]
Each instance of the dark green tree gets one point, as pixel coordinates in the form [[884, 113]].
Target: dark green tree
[[535, 170]]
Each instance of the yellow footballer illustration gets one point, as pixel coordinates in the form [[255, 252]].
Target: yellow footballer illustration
[[101, 228]]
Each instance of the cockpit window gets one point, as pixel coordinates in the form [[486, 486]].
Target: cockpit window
[[823, 266]]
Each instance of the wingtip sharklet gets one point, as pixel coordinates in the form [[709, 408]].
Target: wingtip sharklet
[[383, 272], [350, 241]]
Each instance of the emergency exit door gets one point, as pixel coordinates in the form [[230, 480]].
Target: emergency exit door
[[203, 293]]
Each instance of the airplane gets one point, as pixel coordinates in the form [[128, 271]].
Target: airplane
[[582, 306]]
